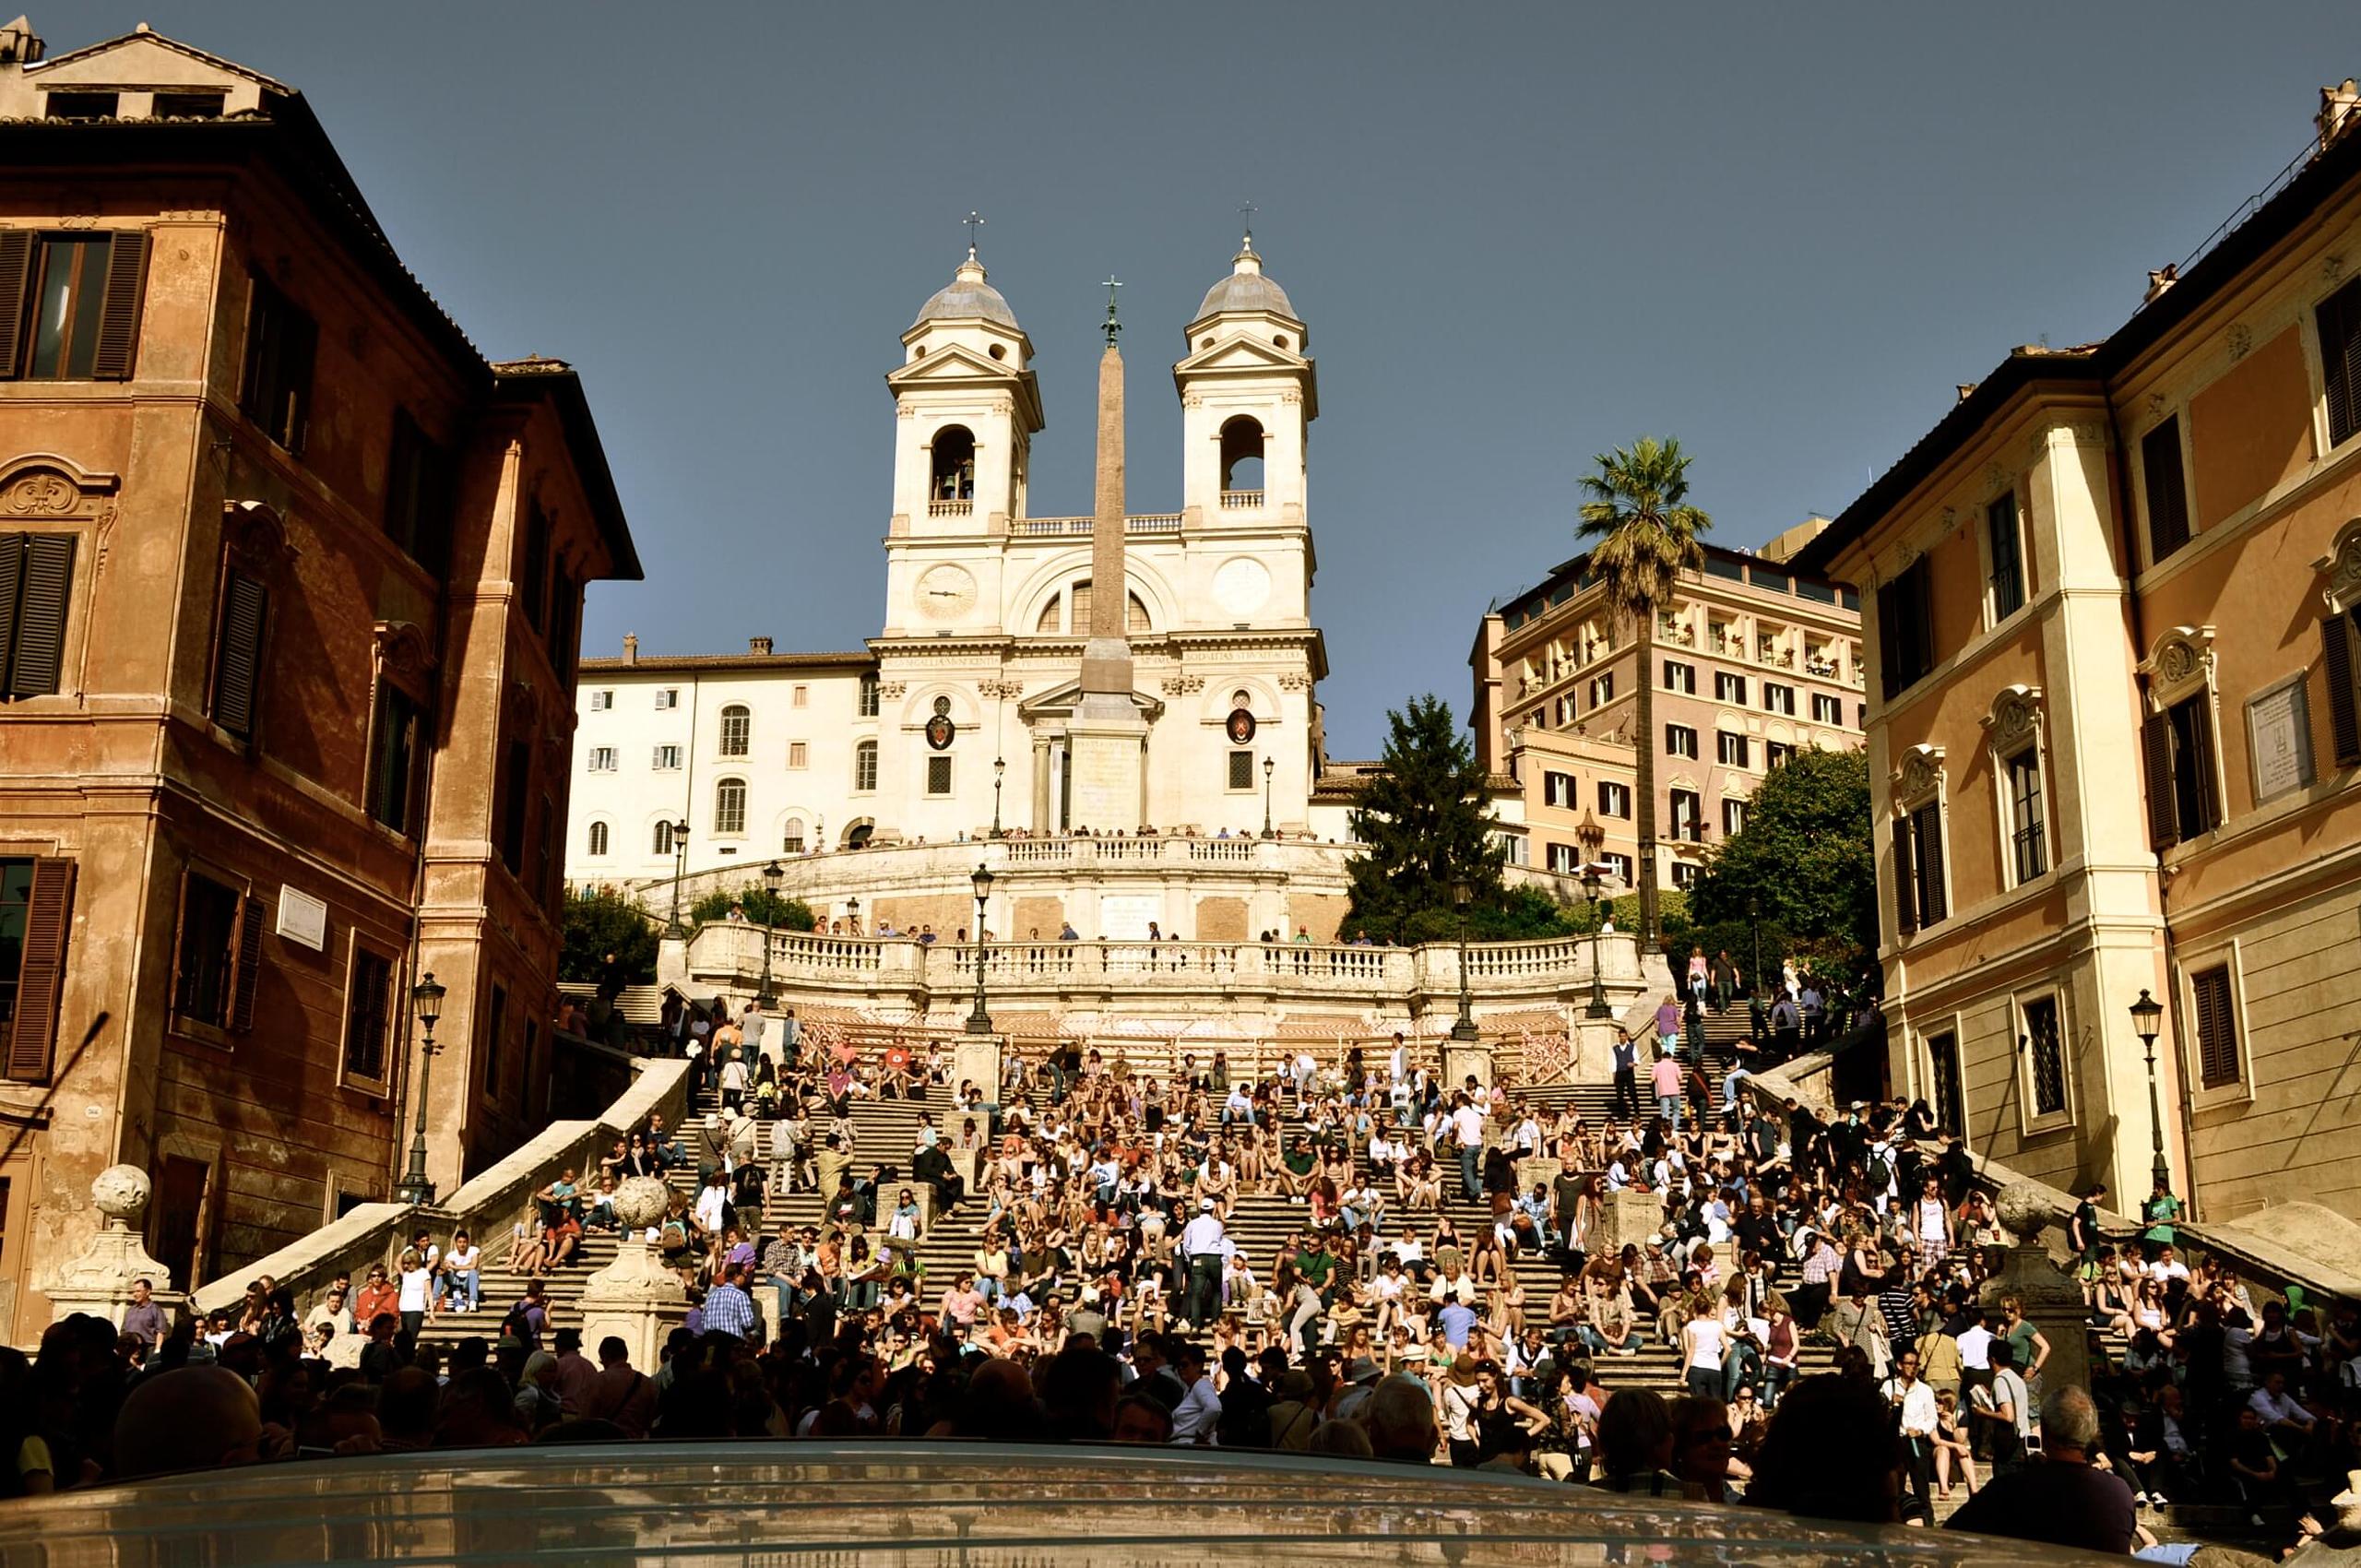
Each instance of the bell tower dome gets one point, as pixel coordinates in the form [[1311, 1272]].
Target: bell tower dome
[[1248, 391], [968, 407]]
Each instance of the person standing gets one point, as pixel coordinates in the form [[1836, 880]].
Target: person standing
[[144, 1320], [415, 1292], [1627, 1074], [1204, 1244], [1725, 979], [2001, 1410], [1914, 1399], [1468, 1133], [1665, 1078]]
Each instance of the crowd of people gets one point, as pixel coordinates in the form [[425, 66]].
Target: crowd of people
[[1107, 1297]]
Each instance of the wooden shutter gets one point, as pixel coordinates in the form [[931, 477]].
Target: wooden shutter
[[118, 347], [1890, 654], [15, 290], [2168, 489], [2156, 742], [2200, 769], [2217, 1028], [237, 668], [12, 579], [2343, 713], [2338, 318], [1905, 891], [36, 647], [40, 981], [242, 1012], [1927, 823]]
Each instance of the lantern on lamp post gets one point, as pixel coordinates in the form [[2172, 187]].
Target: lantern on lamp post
[[980, 1022], [426, 1006], [1462, 895], [2147, 1019]]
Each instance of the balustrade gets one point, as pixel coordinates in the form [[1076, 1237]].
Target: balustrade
[[1240, 500]]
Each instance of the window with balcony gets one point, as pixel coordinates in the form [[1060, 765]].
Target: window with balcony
[[1680, 677], [1729, 688], [1680, 740], [1732, 750], [2028, 832]]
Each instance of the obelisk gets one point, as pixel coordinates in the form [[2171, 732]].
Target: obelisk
[[1107, 738]]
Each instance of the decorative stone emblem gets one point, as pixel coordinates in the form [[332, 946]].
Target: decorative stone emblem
[[2342, 569], [2183, 658], [121, 1192], [1920, 773], [41, 494], [2015, 716], [2241, 338]]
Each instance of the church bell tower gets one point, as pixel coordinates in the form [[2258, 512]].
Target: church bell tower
[[969, 407]]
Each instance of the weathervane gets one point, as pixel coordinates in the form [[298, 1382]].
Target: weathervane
[[974, 220], [1248, 210], [1113, 326]]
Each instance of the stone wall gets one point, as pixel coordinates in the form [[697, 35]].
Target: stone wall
[[1221, 919], [1321, 913]]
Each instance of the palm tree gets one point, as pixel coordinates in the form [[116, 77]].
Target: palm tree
[[1646, 536]]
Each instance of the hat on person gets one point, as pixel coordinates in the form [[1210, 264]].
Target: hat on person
[[1295, 1385], [1361, 1368], [1859, 1105], [1205, 1205], [1462, 1371]]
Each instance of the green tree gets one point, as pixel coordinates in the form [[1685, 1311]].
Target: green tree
[[1805, 863], [1424, 821], [762, 905], [1646, 535], [599, 921]]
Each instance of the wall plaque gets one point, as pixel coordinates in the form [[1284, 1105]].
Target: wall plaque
[[303, 917], [2278, 738]]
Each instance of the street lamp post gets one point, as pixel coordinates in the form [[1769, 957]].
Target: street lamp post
[[1269, 767], [1599, 1008], [771, 877], [1000, 768], [980, 1022], [1462, 895], [1754, 920], [2147, 1014], [680, 869], [852, 917], [426, 1006]]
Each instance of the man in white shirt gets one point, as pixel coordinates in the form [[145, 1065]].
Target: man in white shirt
[[1916, 1398], [1204, 1243], [1468, 1133], [1200, 1408]]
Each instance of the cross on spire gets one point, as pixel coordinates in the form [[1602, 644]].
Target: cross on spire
[[974, 220], [1113, 326], [1247, 210]]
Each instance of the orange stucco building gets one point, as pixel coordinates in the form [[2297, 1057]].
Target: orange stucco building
[[290, 585], [2113, 726]]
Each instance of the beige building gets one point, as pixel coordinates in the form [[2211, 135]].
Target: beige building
[[290, 582], [2115, 732], [1752, 659]]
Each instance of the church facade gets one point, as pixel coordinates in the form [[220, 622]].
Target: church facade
[[966, 712]]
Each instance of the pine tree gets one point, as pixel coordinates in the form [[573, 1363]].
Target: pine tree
[[1425, 822]]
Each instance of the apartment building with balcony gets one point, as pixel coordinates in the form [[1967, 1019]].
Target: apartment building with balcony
[[1752, 659]]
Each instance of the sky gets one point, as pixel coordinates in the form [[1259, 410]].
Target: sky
[[1520, 236]]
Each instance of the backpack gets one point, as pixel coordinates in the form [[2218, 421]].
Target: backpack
[[1880, 1172]]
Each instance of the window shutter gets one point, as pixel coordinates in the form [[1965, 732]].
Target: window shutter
[[2340, 326], [242, 1018], [238, 664], [2156, 741], [38, 644], [2208, 793], [1905, 891], [40, 981], [118, 347], [2168, 489], [1929, 819], [15, 288], [12, 577], [2217, 1029], [2344, 714], [1889, 639]]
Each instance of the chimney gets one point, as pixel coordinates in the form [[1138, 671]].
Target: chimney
[[758, 645], [2160, 280], [19, 47], [631, 648], [2340, 111]]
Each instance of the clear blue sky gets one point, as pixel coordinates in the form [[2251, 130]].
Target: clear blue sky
[[1520, 235]]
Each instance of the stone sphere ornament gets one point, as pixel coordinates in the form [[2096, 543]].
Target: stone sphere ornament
[[121, 1192], [2023, 1210], [640, 1201]]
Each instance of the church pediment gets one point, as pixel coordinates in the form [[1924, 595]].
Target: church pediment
[[952, 363], [1241, 353], [1059, 702]]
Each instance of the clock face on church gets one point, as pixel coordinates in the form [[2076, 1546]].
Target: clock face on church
[[946, 591]]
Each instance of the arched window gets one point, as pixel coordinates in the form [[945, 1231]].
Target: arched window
[[1241, 698], [737, 730], [864, 766], [869, 696], [729, 807], [954, 464], [1134, 612], [1049, 625], [1242, 454], [597, 838], [858, 836], [791, 838], [663, 842]]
